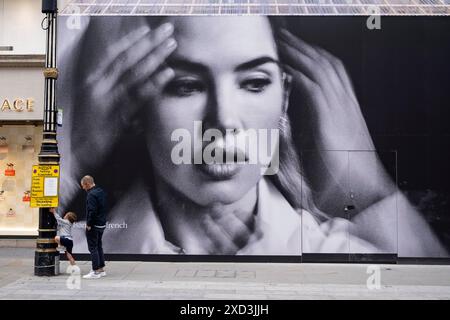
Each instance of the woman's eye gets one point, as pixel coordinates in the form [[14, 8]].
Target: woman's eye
[[184, 87], [256, 85]]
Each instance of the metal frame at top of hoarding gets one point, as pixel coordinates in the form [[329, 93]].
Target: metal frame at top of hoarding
[[257, 7]]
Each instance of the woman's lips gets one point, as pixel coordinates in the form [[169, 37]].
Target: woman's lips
[[225, 165], [220, 171]]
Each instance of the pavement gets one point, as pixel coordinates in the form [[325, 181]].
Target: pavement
[[226, 281]]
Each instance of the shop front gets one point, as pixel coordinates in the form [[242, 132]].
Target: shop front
[[21, 125]]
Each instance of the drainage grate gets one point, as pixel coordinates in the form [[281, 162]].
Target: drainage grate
[[209, 273]]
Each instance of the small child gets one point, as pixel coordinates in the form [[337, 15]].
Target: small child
[[64, 233]]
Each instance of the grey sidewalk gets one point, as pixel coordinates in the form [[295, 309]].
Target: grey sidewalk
[[161, 280]]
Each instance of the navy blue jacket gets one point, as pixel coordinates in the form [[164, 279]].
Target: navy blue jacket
[[96, 207]]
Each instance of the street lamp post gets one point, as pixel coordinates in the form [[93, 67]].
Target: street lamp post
[[46, 259]]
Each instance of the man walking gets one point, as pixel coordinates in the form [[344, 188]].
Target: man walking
[[95, 226]]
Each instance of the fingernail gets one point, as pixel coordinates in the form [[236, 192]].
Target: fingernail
[[171, 43], [166, 29], [164, 76], [144, 29], [169, 73]]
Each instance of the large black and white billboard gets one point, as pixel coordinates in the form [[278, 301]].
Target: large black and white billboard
[[256, 135]]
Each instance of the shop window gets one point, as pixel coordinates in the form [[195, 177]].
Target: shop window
[[28, 145], [26, 196], [3, 147], [11, 213], [10, 171], [9, 185], [19, 148]]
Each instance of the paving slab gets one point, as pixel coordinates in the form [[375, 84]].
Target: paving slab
[[237, 281]]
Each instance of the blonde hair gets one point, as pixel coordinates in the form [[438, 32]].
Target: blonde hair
[[290, 179], [71, 216]]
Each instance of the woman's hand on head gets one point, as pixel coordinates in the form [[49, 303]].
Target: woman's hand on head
[[337, 121], [326, 87], [132, 72]]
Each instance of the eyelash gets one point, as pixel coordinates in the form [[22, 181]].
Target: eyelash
[[260, 83], [187, 87], [184, 88]]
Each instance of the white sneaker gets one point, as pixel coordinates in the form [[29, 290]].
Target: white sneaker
[[103, 274], [92, 275]]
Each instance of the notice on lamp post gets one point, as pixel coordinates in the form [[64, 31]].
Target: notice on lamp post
[[44, 186]]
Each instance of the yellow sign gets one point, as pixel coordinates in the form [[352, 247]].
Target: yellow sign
[[44, 186]]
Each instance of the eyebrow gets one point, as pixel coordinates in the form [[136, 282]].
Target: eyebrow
[[255, 63], [188, 65]]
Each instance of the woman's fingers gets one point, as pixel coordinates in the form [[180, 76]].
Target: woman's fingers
[[142, 48], [220, 240], [312, 69], [126, 67], [147, 82], [138, 73], [317, 60], [229, 232], [298, 60], [309, 89], [150, 64], [142, 95], [154, 84], [298, 44], [336, 116], [238, 230], [340, 71], [317, 64], [114, 94], [114, 51]]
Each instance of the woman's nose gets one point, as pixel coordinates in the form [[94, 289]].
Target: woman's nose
[[224, 109]]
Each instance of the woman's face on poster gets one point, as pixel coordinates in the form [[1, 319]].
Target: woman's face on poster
[[227, 78]]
